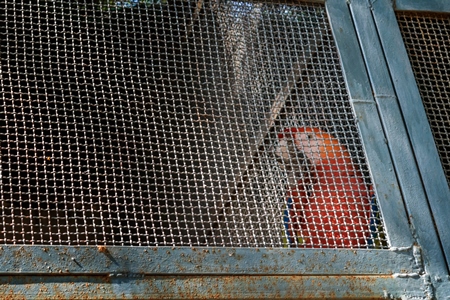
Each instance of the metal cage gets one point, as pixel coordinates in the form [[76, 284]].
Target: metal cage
[[221, 149], [113, 139]]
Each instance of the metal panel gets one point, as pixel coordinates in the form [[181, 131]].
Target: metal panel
[[175, 139], [397, 137], [213, 287], [55, 260], [389, 195], [415, 118]]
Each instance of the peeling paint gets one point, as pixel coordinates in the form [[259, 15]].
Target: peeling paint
[[202, 272], [83, 260], [204, 287]]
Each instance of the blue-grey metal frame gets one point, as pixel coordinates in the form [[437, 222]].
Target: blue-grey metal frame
[[219, 273], [397, 100], [364, 105], [413, 266], [399, 146], [407, 92]]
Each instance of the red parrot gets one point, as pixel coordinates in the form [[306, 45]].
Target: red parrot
[[329, 202]]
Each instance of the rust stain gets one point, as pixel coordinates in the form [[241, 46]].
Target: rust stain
[[191, 286], [102, 249]]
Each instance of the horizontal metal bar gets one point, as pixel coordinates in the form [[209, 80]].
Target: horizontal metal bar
[[211, 287], [168, 260], [420, 5]]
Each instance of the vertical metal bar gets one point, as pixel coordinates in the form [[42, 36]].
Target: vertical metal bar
[[416, 121], [399, 146], [378, 157]]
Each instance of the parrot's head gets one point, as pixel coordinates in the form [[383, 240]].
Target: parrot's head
[[314, 143]]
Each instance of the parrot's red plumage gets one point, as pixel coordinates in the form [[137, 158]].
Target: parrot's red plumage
[[331, 202]]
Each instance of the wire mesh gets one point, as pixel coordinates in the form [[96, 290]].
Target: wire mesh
[[426, 39], [179, 123]]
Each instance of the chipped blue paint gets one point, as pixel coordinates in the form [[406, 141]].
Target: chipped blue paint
[[211, 287], [205, 273], [168, 260]]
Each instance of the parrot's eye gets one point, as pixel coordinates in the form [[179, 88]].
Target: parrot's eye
[[309, 136]]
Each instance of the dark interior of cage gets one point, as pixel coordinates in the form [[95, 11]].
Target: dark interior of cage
[[152, 128]]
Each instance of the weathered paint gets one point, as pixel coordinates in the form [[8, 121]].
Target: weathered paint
[[210, 287], [397, 137], [377, 152], [419, 132], [204, 273], [52, 272], [174, 260]]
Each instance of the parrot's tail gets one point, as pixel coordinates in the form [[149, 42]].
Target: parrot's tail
[[286, 221], [291, 226]]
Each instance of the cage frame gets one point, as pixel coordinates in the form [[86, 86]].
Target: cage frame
[[413, 111], [413, 267]]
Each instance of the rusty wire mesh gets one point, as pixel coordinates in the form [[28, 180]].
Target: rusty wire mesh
[[158, 123]]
